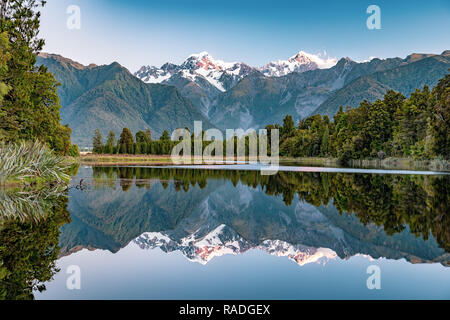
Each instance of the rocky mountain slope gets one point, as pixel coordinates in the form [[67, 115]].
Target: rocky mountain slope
[[227, 95], [301, 85], [109, 97], [415, 72], [201, 77], [258, 100]]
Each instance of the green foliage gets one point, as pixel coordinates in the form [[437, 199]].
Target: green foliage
[[97, 142], [395, 126], [126, 143], [110, 146], [24, 161], [439, 125], [403, 77], [288, 128], [30, 204], [165, 136], [5, 56], [74, 151], [311, 139], [29, 246], [148, 134], [30, 108], [143, 142]]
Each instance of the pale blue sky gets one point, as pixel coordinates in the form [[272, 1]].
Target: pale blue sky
[[136, 33]]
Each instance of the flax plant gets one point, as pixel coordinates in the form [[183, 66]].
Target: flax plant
[[26, 161]]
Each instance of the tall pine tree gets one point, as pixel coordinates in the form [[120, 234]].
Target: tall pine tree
[[97, 142], [126, 143]]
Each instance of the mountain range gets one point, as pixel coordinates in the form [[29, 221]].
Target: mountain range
[[202, 78], [228, 94], [109, 97]]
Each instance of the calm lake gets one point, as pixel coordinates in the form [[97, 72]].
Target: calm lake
[[231, 233]]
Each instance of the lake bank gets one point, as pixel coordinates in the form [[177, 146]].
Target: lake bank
[[388, 163], [165, 160]]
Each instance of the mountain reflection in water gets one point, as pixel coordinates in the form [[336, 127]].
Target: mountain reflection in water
[[305, 216], [308, 217]]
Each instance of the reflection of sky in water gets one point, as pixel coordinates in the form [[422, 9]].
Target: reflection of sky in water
[[237, 267], [133, 273]]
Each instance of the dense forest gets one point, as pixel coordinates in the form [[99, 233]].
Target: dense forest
[[29, 103], [418, 127], [142, 143]]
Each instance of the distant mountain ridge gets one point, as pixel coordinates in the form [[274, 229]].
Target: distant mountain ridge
[[224, 75], [300, 62], [228, 95], [201, 77], [415, 72], [109, 97], [301, 85]]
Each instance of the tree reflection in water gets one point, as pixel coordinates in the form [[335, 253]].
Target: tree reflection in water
[[29, 240], [395, 202]]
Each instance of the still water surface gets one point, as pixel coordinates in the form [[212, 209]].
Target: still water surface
[[217, 233]]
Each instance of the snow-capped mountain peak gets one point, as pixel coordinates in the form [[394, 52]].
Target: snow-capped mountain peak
[[151, 74], [322, 63], [299, 62], [204, 60], [301, 57], [222, 75], [197, 247]]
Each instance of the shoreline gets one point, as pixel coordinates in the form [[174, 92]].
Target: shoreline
[[165, 160]]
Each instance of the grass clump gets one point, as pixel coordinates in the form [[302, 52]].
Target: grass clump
[[31, 162], [32, 205]]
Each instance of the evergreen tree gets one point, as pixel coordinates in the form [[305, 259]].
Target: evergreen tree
[[378, 129], [110, 142], [165, 136], [324, 145], [138, 148], [142, 142], [126, 143], [148, 133], [440, 119], [74, 151], [288, 127], [97, 142], [4, 88]]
